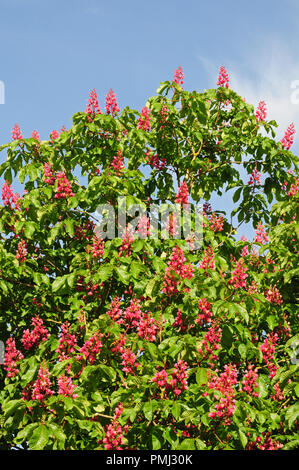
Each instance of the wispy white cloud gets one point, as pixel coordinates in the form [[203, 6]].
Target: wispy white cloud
[[267, 75]]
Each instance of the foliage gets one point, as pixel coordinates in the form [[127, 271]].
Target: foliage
[[148, 344]]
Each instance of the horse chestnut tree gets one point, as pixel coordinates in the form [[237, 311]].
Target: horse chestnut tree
[[140, 342]]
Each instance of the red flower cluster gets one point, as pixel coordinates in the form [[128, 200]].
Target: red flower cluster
[[178, 76], [249, 383], [148, 327], [208, 259], [133, 314], [66, 387], [154, 160], [278, 394], [288, 139], [37, 335], [128, 361], [91, 348], [115, 312], [64, 188], [294, 188], [268, 350], [118, 162], [9, 197], [21, 254], [93, 104], [261, 112], [239, 275], [216, 223], [54, 135], [144, 120], [114, 436], [16, 133], [205, 314], [211, 343], [42, 385], [223, 78], [67, 343], [261, 235], [11, 357], [35, 135], [161, 378], [81, 232], [255, 178], [49, 176], [179, 322], [264, 443], [111, 103], [178, 381], [225, 385], [143, 227], [97, 247], [176, 271], [128, 358], [172, 225], [183, 194], [273, 295]]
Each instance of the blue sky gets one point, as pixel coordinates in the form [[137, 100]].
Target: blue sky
[[54, 52]]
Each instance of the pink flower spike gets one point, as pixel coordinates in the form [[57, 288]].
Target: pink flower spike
[[35, 135], [111, 103], [178, 76], [288, 138], [92, 106], [223, 78], [261, 112], [16, 133]]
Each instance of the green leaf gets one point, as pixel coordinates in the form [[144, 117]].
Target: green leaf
[[123, 275], [242, 350], [237, 194], [58, 434], [243, 438], [58, 283], [176, 410], [187, 444], [272, 321], [39, 437], [148, 410], [292, 414], [262, 386], [69, 226], [25, 433], [138, 245], [29, 229], [201, 376], [107, 371], [10, 407]]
